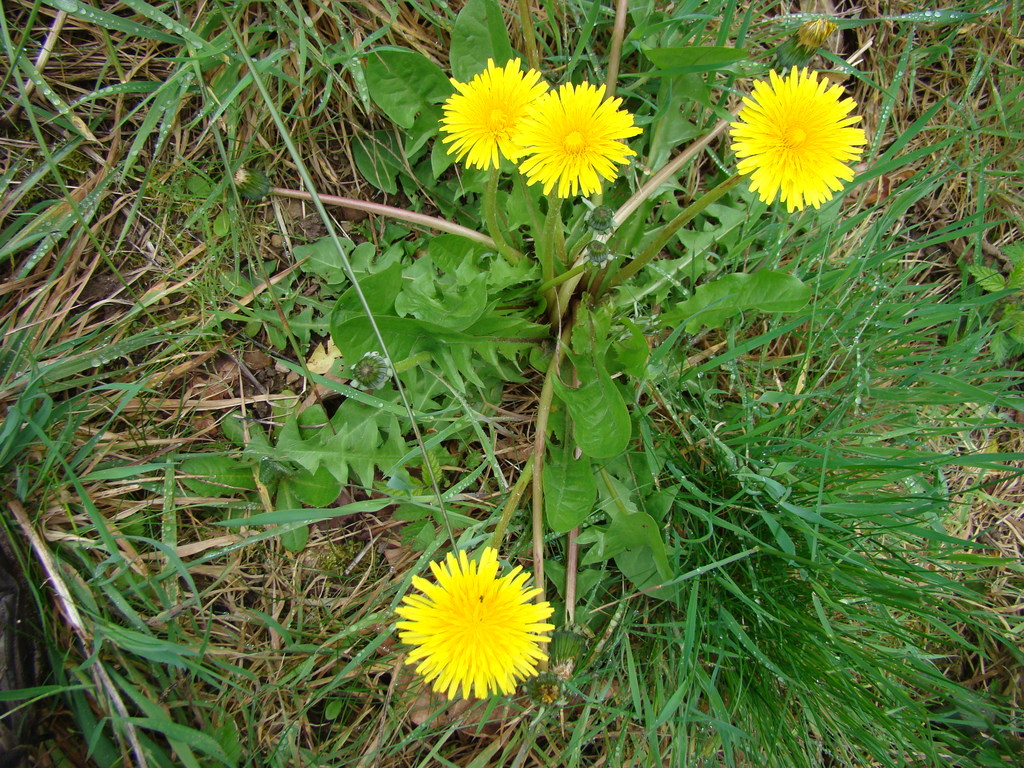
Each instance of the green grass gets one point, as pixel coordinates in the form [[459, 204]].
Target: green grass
[[832, 488]]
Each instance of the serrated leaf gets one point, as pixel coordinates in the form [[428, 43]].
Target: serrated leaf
[[479, 34], [630, 354], [715, 302], [569, 489], [455, 302], [627, 531], [322, 258], [988, 278], [404, 83], [1016, 278]]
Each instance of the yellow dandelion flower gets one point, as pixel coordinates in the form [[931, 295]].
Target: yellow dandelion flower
[[482, 118], [573, 138], [472, 630], [794, 138]]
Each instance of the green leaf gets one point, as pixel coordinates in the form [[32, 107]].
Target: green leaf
[[630, 354], [379, 160], [569, 489], [217, 476], [628, 534], [715, 302], [599, 414], [1016, 278], [295, 539], [379, 289], [317, 489], [1013, 320], [455, 301], [479, 34], [404, 83], [988, 278], [323, 259], [694, 58], [449, 252]]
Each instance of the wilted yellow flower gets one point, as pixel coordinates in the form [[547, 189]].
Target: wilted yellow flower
[[794, 138], [572, 138], [813, 33], [799, 49], [471, 630], [482, 118]]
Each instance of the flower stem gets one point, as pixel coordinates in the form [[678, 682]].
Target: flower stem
[[666, 172], [540, 437], [411, 217], [556, 281], [531, 207], [529, 34], [491, 217], [615, 50], [670, 229], [572, 559], [510, 506], [552, 248]]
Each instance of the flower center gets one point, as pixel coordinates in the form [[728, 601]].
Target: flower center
[[499, 121], [574, 143], [795, 137]]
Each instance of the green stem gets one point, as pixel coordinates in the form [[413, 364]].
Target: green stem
[[491, 217], [547, 394], [531, 208], [670, 229], [615, 50], [419, 219], [510, 506], [557, 281], [667, 171], [572, 559], [529, 34], [550, 251]]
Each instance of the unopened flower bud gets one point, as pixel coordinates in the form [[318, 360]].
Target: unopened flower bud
[[800, 48], [252, 185], [371, 372], [564, 651], [601, 219], [599, 253]]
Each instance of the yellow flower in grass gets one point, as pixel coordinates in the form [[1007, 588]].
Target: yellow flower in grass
[[471, 630], [572, 138], [482, 118], [794, 136]]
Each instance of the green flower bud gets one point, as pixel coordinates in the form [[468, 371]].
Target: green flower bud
[[799, 49], [564, 651], [601, 219], [598, 253], [252, 185], [371, 372]]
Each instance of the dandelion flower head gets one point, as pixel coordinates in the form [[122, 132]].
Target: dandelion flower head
[[483, 116], [572, 138], [794, 138], [471, 630]]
